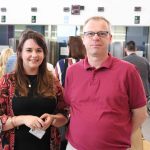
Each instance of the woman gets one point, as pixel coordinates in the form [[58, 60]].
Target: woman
[[31, 99], [5, 54], [76, 50]]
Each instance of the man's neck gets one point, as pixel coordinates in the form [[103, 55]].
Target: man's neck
[[96, 61], [131, 52]]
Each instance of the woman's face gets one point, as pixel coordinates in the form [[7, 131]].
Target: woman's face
[[32, 56]]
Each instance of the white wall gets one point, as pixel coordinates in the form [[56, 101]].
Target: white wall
[[119, 12]]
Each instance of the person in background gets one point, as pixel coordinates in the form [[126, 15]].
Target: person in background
[[50, 67], [77, 52], [105, 107], [10, 64], [143, 67], [5, 54], [31, 99], [141, 63]]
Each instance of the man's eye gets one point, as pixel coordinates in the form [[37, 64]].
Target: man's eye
[[102, 33], [91, 33]]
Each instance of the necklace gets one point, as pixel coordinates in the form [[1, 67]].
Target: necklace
[[32, 80], [29, 85]]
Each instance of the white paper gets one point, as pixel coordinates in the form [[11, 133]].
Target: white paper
[[38, 133]]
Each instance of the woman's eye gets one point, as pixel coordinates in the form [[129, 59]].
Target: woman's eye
[[39, 50], [29, 50]]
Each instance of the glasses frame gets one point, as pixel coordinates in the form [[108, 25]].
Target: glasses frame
[[101, 34]]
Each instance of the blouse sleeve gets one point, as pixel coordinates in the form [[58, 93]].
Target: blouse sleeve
[[61, 105], [4, 96]]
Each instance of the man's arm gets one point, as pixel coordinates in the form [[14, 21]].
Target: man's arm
[[138, 117]]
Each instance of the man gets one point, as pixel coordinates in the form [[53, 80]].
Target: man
[[144, 69], [141, 63], [105, 107]]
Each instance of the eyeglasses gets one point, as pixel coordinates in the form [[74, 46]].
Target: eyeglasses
[[91, 34]]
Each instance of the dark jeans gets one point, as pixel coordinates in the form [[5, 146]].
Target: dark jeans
[[64, 142], [63, 145]]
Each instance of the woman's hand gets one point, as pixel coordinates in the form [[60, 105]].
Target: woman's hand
[[33, 122], [57, 120], [48, 119]]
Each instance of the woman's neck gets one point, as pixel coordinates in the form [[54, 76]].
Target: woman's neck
[[31, 71]]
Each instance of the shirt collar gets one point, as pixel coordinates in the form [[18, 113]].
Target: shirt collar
[[106, 64]]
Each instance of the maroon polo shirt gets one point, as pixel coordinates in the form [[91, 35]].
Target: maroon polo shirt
[[101, 101]]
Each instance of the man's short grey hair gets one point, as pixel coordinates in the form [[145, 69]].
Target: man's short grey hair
[[97, 18]]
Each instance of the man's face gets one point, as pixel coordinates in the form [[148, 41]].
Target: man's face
[[96, 44]]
